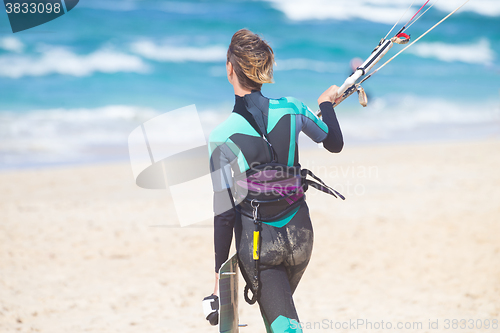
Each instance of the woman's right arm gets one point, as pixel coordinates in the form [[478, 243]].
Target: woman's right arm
[[223, 235], [224, 214]]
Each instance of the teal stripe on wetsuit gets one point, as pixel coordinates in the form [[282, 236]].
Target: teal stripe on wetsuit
[[285, 325], [289, 105], [222, 133]]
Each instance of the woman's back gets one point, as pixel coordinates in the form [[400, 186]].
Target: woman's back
[[256, 118]]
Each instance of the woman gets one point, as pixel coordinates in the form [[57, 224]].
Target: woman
[[260, 131]]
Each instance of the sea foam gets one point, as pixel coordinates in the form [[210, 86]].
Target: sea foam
[[60, 60], [474, 53], [408, 116], [11, 44], [174, 53], [381, 11]]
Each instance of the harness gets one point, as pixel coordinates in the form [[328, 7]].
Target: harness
[[270, 191]]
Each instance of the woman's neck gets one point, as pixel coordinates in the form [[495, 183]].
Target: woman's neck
[[240, 91]]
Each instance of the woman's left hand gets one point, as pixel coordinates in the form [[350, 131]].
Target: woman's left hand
[[330, 95]]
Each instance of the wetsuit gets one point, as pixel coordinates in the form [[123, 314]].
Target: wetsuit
[[286, 244]]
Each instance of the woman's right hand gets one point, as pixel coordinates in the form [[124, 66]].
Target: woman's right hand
[[330, 95], [211, 309]]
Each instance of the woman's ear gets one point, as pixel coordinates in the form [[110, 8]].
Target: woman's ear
[[230, 72]]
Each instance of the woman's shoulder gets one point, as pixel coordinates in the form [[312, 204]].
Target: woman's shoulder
[[288, 104], [221, 132], [233, 124]]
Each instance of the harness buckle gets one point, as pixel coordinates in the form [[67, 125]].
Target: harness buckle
[[254, 210]]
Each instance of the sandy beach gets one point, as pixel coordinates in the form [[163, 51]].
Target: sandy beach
[[82, 249]]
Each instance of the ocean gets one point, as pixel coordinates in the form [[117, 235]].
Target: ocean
[[73, 89]]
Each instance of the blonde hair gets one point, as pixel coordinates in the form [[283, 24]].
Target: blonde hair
[[252, 59]]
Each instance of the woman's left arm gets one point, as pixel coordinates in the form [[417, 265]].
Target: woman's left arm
[[334, 141]]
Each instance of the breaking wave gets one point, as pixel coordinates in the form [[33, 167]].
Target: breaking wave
[[383, 11], [407, 117], [475, 53], [59, 60], [171, 53]]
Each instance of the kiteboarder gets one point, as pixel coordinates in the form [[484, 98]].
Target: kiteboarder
[[274, 235]]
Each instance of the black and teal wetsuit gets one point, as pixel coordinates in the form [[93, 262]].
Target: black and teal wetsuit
[[286, 244]]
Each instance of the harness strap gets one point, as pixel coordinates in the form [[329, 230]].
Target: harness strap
[[321, 186], [256, 257]]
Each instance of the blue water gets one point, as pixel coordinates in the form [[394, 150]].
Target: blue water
[[72, 89]]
